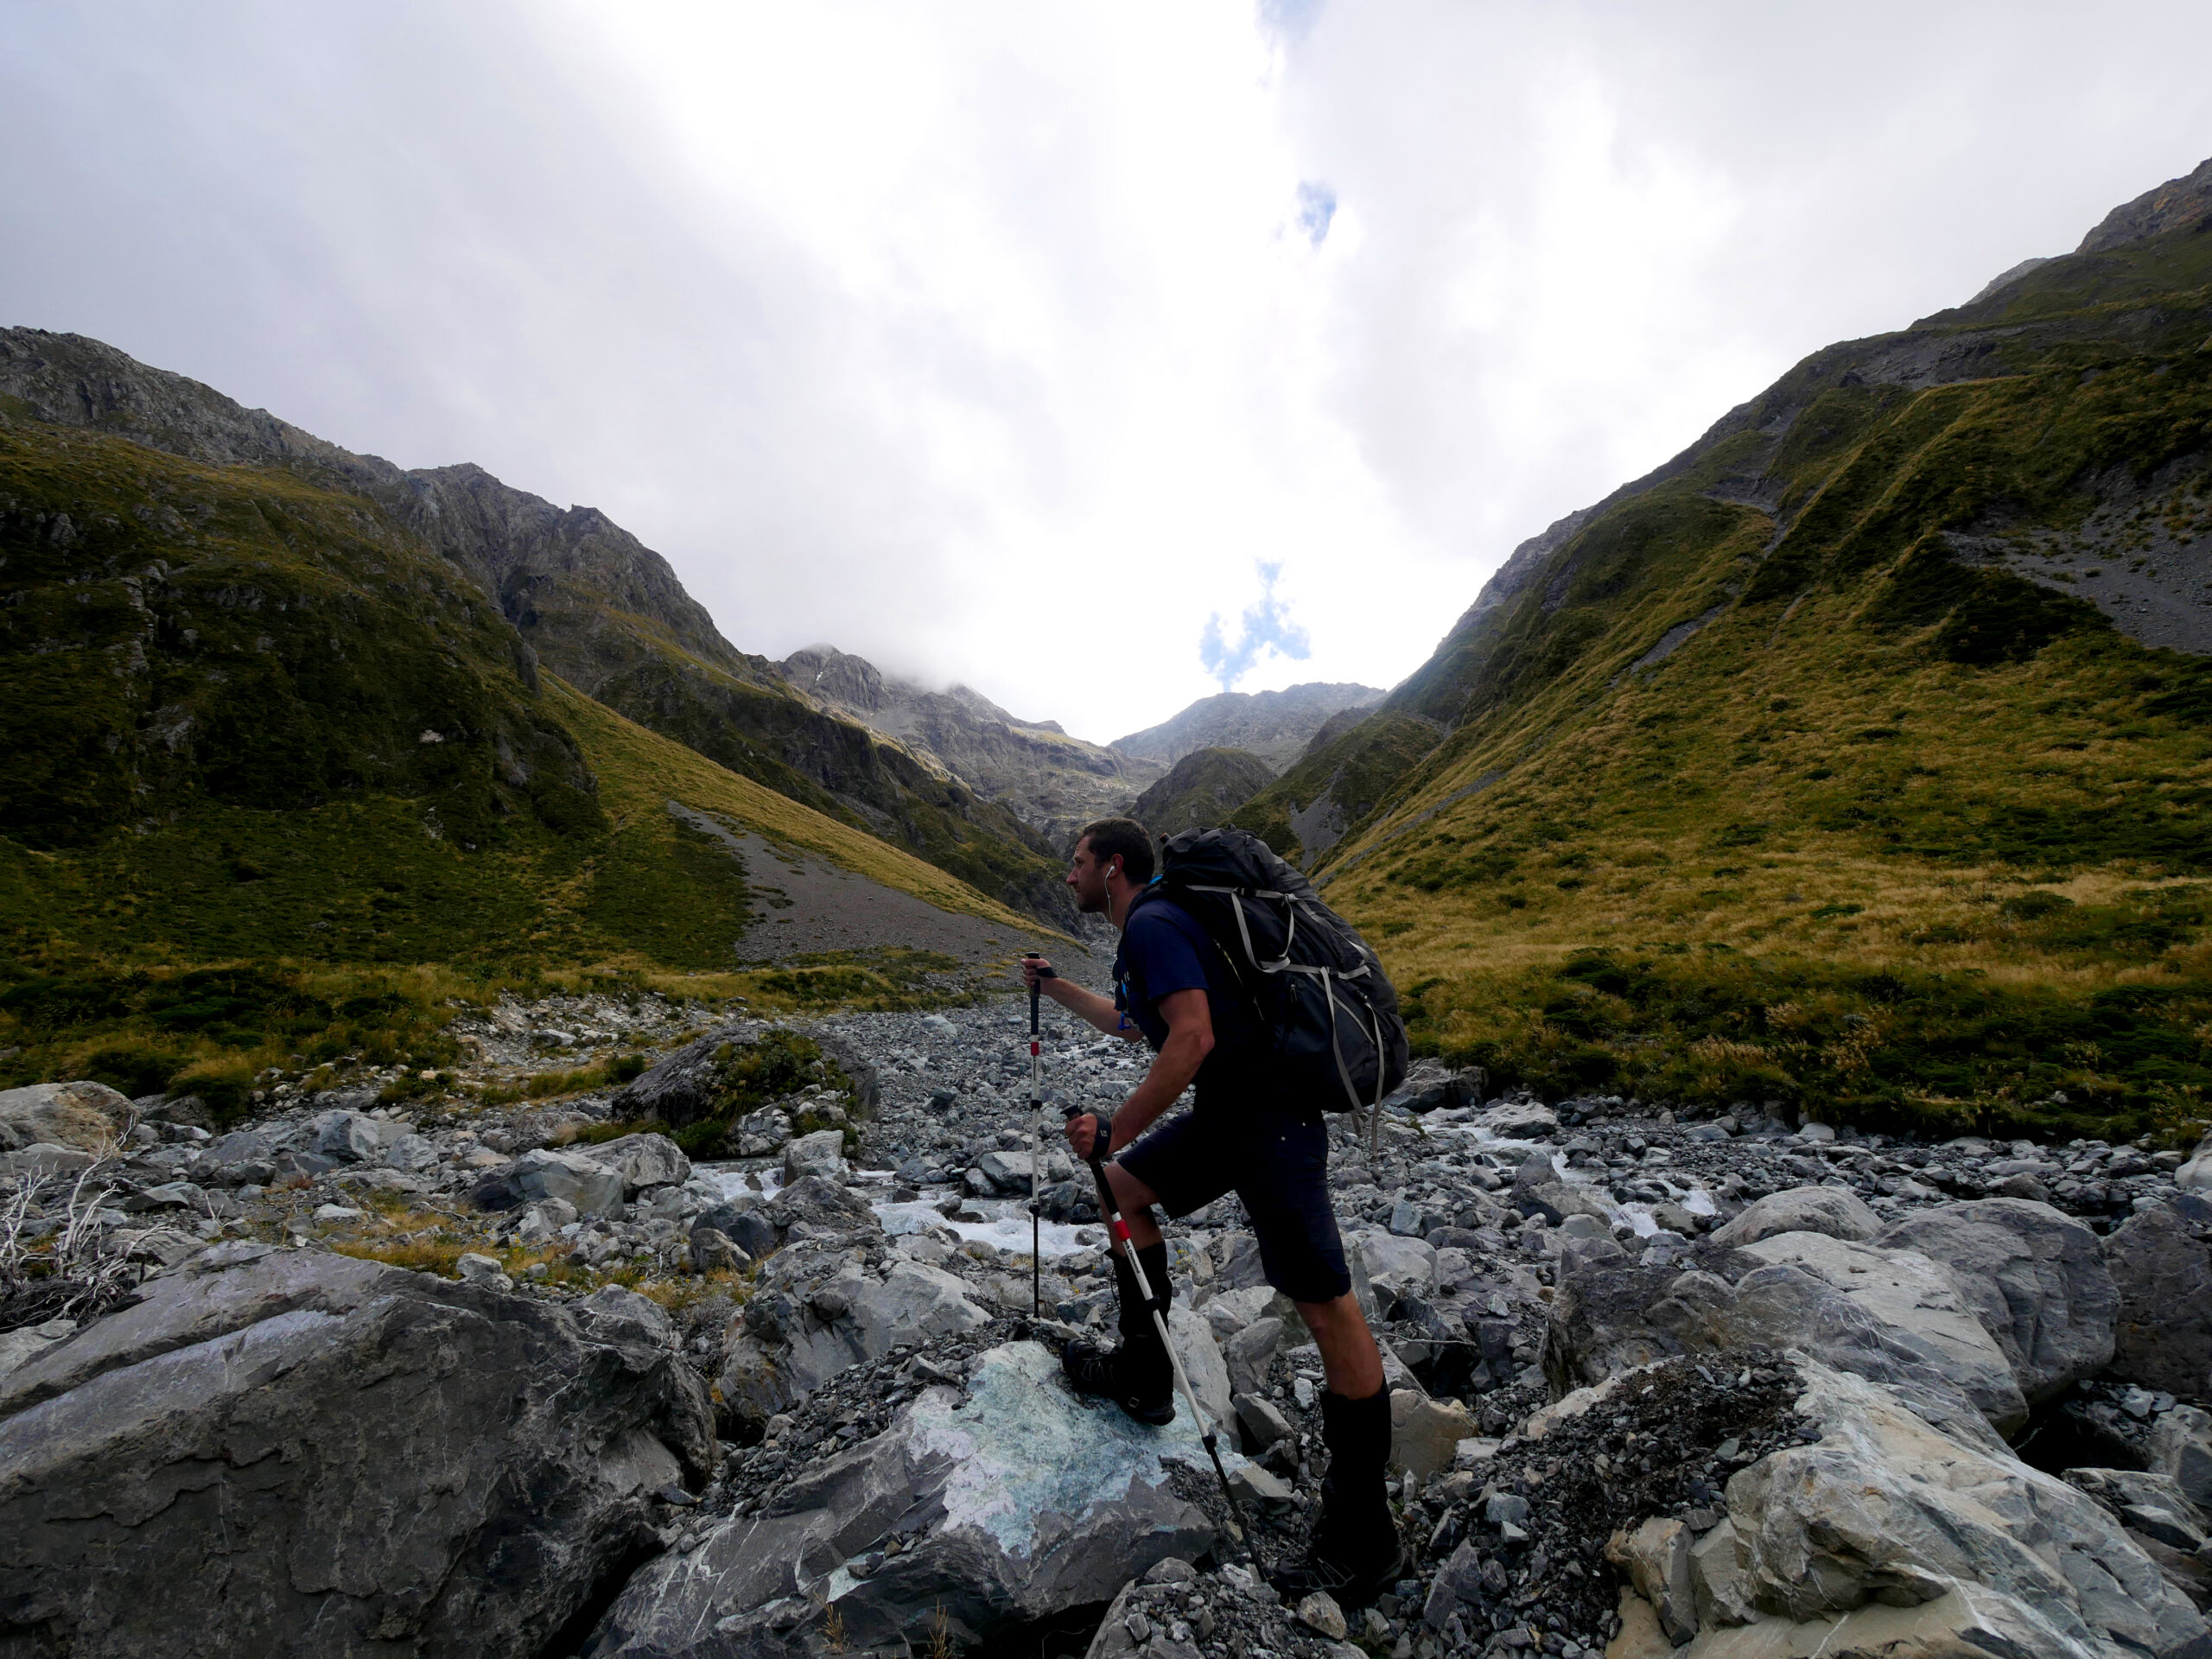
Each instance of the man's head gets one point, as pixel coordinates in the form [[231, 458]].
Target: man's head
[[1112, 857]]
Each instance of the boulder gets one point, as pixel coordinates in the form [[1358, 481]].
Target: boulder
[[680, 1088], [411, 1152], [2163, 1335], [2180, 1446], [44, 1159], [2038, 1282], [1397, 1266], [1885, 1509], [1523, 1120], [1825, 1210], [1655, 1557], [742, 1221], [1249, 1351], [242, 1147], [2152, 1504], [569, 1174], [643, 1161], [1020, 1502], [2196, 1175], [352, 1137], [300, 1452], [1425, 1434], [818, 1204], [821, 1154], [87, 1116], [814, 1311], [1540, 1190], [1612, 1317], [1923, 1305]]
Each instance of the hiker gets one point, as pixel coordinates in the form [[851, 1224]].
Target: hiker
[[1174, 992]]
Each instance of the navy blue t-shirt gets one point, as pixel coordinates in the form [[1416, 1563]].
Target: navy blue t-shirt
[[1165, 951]]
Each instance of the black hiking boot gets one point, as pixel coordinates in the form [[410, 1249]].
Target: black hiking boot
[[1137, 1375], [1134, 1376], [1353, 1553]]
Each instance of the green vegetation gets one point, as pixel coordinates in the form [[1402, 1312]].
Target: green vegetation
[[284, 792], [1201, 789], [748, 1075], [1861, 817]]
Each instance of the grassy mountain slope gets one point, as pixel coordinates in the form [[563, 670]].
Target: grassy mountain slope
[[1804, 771], [268, 754], [1203, 788], [588, 598]]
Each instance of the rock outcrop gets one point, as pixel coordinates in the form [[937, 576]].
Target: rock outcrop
[[984, 1504], [291, 1451]]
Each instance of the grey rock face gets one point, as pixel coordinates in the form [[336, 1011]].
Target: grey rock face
[[1608, 1318], [1018, 1500], [2180, 1446], [2038, 1281], [1886, 1509], [678, 1089], [2163, 1338], [643, 1161], [297, 1452], [87, 1115], [1801, 1210], [573, 1176], [1274, 725], [2195, 1174], [1922, 1305], [817, 1311], [822, 1154]]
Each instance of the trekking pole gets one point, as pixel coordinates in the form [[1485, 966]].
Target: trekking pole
[[1156, 1305], [1036, 1147]]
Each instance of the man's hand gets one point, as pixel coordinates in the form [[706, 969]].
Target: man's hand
[[1035, 968], [1082, 1131]]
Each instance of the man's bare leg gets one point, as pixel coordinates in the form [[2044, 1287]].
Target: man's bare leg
[[1136, 1200], [1350, 1363]]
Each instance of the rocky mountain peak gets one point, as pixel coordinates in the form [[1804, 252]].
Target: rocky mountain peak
[[2178, 201], [1277, 725]]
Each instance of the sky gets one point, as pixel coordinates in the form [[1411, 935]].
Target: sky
[[1097, 357]]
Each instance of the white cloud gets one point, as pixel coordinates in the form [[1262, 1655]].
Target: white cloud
[[999, 342]]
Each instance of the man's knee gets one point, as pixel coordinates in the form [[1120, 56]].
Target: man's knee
[[1128, 1191]]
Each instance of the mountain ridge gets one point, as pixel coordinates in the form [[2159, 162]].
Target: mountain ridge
[[1277, 725], [586, 597], [1856, 755]]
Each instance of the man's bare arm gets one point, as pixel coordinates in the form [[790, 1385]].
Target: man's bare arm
[[1189, 1039], [1087, 1005]]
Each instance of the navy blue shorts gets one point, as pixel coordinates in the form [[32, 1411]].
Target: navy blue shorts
[[1276, 1163]]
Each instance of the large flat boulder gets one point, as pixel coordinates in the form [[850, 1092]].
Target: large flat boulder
[[2037, 1278], [1610, 1318], [286, 1452], [1018, 1502], [1922, 1303], [87, 1115], [1886, 1509], [2163, 1335]]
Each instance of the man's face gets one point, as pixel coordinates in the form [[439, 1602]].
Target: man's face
[[1087, 877]]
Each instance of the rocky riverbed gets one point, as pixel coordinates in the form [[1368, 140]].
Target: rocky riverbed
[[383, 1366]]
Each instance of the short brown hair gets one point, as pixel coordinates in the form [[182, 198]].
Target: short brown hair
[[1122, 838]]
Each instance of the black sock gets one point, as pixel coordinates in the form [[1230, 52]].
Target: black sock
[[1137, 1329], [1358, 1434]]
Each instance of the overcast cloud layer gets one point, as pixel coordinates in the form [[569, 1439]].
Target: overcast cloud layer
[[1007, 344]]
